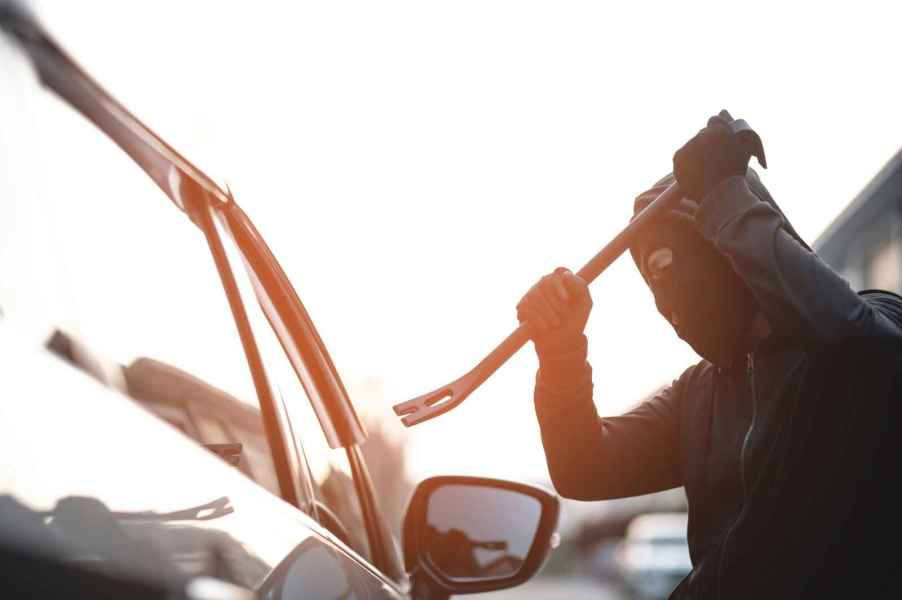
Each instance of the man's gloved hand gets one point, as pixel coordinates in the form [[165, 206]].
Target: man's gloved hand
[[710, 157], [556, 310]]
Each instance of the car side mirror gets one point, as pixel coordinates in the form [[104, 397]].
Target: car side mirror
[[472, 534]]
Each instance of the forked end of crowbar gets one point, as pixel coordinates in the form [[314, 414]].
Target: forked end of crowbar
[[422, 408]]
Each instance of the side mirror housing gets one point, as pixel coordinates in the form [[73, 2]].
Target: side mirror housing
[[464, 535]]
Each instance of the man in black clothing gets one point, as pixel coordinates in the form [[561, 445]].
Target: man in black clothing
[[785, 436]]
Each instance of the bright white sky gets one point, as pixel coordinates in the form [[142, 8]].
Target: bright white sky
[[416, 166]]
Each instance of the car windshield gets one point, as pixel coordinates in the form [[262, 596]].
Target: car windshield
[[195, 193], [112, 279]]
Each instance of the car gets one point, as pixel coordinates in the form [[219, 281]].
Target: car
[[172, 423], [654, 554]]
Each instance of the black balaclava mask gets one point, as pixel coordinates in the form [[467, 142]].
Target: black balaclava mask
[[714, 308]]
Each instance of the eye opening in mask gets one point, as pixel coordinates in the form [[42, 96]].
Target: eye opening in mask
[[658, 262]]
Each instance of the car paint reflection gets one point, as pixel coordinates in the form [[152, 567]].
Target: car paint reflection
[[82, 531], [137, 495]]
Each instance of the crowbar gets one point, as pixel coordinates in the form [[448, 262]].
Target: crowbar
[[441, 400]]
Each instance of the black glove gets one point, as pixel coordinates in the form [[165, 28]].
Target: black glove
[[714, 154], [556, 310]]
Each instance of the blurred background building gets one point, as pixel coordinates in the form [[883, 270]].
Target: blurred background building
[[864, 242]]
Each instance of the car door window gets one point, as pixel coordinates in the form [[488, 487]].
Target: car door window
[[330, 471], [327, 470]]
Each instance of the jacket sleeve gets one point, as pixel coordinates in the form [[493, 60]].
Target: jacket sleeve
[[594, 458], [801, 296]]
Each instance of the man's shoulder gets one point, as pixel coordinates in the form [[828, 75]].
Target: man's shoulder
[[859, 355], [887, 306], [883, 299]]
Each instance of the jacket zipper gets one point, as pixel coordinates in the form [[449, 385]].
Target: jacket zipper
[[750, 372]]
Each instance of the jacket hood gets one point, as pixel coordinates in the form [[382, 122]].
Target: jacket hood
[[754, 183]]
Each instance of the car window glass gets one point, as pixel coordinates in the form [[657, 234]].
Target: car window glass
[[328, 471], [101, 266]]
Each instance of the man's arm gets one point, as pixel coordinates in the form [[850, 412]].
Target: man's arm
[[801, 296], [593, 458]]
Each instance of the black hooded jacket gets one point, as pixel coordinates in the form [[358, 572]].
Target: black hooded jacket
[[790, 462]]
